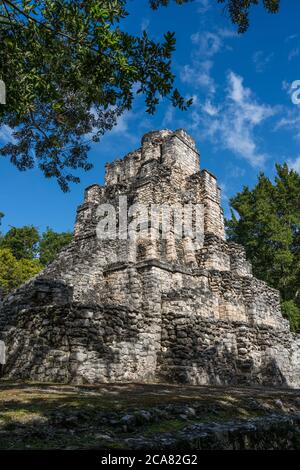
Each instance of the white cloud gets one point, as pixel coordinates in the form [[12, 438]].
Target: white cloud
[[6, 134], [225, 199], [236, 171], [294, 164], [227, 33], [209, 108], [126, 126], [261, 60], [199, 75], [290, 119], [286, 86], [208, 43], [224, 190], [122, 123], [236, 90], [291, 37], [168, 117], [231, 122], [145, 24], [293, 53], [291, 122], [204, 6], [233, 126]]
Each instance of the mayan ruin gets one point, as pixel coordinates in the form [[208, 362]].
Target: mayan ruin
[[150, 308]]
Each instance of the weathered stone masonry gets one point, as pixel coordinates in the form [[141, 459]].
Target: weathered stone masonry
[[181, 310]]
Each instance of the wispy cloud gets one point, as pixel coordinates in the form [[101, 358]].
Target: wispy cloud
[[204, 6], [125, 134], [225, 194], [235, 171], [294, 164], [168, 118], [145, 24], [290, 122], [6, 134], [233, 123], [291, 37], [125, 125], [206, 45], [210, 43], [199, 75], [209, 108], [290, 119], [293, 53], [261, 60]]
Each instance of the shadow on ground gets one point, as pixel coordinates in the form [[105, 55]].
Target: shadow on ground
[[160, 416]]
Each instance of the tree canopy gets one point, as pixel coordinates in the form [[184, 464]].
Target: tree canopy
[[238, 10], [77, 72], [51, 243], [266, 221], [24, 252], [14, 272], [71, 70], [23, 242]]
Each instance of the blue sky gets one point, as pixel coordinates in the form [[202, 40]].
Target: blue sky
[[242, 119]]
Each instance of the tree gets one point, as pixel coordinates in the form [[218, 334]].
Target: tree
[[26, 243], [22, 242], [292, 312], [1, 217], [24, 253], [266, 221], [238, 10], [78, 71], [14, 272], [51, 243]]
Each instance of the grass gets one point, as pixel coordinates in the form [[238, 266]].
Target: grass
[[53, 416], [166, 426]]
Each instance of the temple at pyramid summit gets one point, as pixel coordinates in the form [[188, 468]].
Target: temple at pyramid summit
[[158, 306]]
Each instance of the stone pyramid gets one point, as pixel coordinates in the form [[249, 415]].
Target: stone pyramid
[[158, 305]]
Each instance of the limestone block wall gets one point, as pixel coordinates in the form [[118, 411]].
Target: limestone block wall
[[81, 344], [181, 148], [261, 302], [79, 266], [238, 261], [86, 220], [214, 217], [214, 254], [220, 255], [152, 145], [162, 146], [221, 295], [199, 351], [158, 323], [88, 342], [94, 194], [122, 170]]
